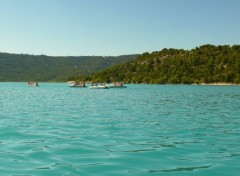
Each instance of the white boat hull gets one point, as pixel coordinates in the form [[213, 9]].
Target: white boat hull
[[33, 84], [99, 87]]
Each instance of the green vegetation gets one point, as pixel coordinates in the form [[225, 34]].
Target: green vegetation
[[22, 67], [204, 64]]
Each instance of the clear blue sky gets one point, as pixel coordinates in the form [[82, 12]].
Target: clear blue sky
[[115, 27]]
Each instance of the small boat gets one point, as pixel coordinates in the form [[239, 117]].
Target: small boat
[[33, 84], [98, 86], [78, 85], [117, 85]]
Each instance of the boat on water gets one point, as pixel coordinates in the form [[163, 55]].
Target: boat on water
[[78, 85], [98, 86], [117, 85], [32, 84]]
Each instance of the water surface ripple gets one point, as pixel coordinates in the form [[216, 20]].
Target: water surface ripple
[[141, 130]]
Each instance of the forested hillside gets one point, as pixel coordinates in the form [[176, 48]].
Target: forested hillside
[[204, 64], [22, 67]]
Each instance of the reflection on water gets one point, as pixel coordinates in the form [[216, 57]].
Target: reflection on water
[[141, 130]]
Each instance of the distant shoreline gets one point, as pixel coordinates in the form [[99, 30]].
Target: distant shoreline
[[89, 82], [200, 84], [219, 84]]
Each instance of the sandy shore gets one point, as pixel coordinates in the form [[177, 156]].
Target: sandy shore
[[220, 84]]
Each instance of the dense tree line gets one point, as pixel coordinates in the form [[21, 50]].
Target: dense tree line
[[204, 64], [23, 67]]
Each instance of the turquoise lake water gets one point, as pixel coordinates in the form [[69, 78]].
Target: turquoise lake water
[[150, 130]]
